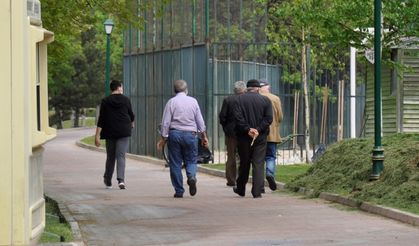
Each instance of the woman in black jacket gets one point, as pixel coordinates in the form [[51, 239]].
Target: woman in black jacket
[[115, 123]]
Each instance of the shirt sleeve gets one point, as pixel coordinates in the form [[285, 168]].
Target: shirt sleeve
[[165, 123], [131, 114], [223, 113], [200, 124], [267, 116], [280, 115], [100, 121]]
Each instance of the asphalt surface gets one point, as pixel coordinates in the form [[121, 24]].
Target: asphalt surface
[[147, 214]]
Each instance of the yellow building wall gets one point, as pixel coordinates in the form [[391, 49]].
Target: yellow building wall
[[23, 65], [6, 125]]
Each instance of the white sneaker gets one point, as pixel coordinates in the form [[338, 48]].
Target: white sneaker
[[121, 186]]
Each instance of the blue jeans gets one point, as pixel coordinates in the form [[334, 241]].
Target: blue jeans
[[183, 147], [270, 158]]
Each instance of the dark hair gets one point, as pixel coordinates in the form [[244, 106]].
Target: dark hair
[[115, 84]]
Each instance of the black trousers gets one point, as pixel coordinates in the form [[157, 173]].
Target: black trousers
[[255, 156]]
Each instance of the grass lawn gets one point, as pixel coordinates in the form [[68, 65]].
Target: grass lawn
[[54, 230], [284, 173], [90, 121], [90, 140]]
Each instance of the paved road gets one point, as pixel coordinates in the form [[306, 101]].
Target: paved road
[[147, 214]]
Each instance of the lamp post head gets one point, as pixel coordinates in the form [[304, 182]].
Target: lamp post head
[[108, 26]]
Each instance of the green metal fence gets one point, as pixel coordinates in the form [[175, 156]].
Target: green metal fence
[[149, 77], [210, 44]]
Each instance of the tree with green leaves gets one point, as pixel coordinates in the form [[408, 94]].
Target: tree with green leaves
[[328, 28], [76, 57]]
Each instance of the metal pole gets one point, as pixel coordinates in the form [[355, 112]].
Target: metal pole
[[206, 19], [353, 92], [108, 64], [378, 151], [193, 21]]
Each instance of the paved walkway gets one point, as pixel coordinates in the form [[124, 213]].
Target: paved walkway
[[147, 214]]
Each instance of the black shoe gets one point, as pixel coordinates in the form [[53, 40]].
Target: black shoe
[[231, 184], [256, 194], [271, 182], [192, 186], [178, 195], [235, 190], [108, 183]]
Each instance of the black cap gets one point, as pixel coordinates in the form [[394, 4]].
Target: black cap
[[263, 82], [253, 83]]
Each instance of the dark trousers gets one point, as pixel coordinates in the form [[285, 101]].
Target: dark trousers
[[255, 156], [115, 151], [231, 164]]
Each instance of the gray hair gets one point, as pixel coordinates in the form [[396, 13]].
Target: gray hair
[[180, 85], [239, 87]]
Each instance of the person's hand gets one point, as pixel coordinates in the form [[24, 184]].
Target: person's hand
[[253, 133], [160, 143], [204, 142], [97, 141]]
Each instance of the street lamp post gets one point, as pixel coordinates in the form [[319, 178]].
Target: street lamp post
[[108, 29], [378, 151]]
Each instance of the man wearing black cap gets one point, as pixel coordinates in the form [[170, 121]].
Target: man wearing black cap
[[253, 115], [273, 138]]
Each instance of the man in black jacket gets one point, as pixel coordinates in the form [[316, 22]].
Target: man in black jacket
[[115, 123], [227, 120], [253, 115]]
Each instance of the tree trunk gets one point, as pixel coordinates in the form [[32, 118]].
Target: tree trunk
[[76, 117], [306, 99], [59, 118]]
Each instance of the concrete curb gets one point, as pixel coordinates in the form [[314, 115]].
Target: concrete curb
[[73, 224], [147, 159], [395, 214], [77, 240], [339, 199], [391, 213], [91, 147]]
